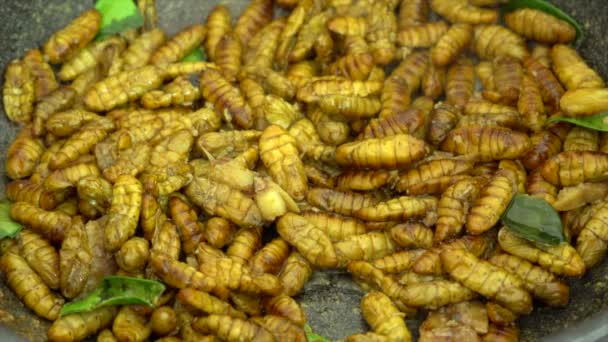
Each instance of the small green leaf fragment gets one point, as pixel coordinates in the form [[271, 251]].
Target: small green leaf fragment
[[118, 290], [117, 16], [8, 227], [311, 336], [195, 56], [597, 122], [534, 219], [548, 8]]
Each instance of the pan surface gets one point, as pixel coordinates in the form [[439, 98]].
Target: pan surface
[[330, 299]]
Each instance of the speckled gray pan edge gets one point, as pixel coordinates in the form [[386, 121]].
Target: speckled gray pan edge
[[331, 300]]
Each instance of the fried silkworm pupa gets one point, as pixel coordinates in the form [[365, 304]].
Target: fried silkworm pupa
[[41, 71], [279, 152], [381, 23], [400, 208], [337, 227], [245, 244], [79, 326], [591, 242], [412, 235], [460, 81], [492, 201], [572, 168], [64, 43], [285, 306], [50, 224], [191, 230], [413, 12], [504, 333], [489, 280], [119, 89], [487, 143], [88, 58], [491, 41], [309, 240], [508, 74], [331, 132], [70, 176], [435, 294], [546, 29], [341, 202], [226, 98], [29, 288], [163, 321], [219, 232], [410, 121], [75, 259], [442, 119], [581, 139], [180, 92], [79, 144], [551, 89], [562, 259], [207, 303], [133, 255], [390, 152], [124, 211], [281, 328], [397, 262], [41, 256], [530, 105], [366, 247], [36, 194], [255, 16], [348, 25], [451, 44], [179, 46], [270, 258], [322, 86], [23, 155], [423, 35], [453, 208], [228, 56], [295, 273], [461, 11], [540, 282], [572, 70], [231, 329], [129, 325], [18, 92], [466, 320], [218, 24], [584, 102], [362, 180], [384, 317]]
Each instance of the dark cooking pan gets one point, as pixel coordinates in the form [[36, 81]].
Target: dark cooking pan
[[330, 299]]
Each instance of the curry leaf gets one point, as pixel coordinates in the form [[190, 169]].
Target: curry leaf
[[548, 8], [8, 227], [195, 56], [597, 122], [117, 290], [117, 16], [534, 219], [311, 336]]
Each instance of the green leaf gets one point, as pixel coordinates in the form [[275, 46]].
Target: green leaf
[[117, 290], [117, 16], [597, 122], [548, 8], [8, 227], [311, 336], [534, 219], [195, 56]]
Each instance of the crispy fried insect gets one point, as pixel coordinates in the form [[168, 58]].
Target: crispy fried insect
[[572, 168], [50, 224], [507, 119], [231, 329], [508, 75], [75, 257], [163, 321], [337, 227], [88, 58], [574, 197], [443, 118], [70, 176], [220, 144], [545, 144], [585, 101], [19, 92], [430, 262], [412, 235], [228, 56], [191, 230], [180, 92], [460, 81], [477, 105], [498, 314], [381, 28], [486, 143], [375, 279], [309, 142], [540, 282], [218, 24], [295, 273], [106, 335], [270, 258], [41, 256], [124, 211], [461, 11], [341, 202], [306, 37], [129, 325], [29, 288], [130, 161], [23, 155], [530, 105], [367, 247], [453, 208], [537, 186], [542, 53], [235, 275], [384, 317], [350, 107], [401, 208], [572, 70], [66, 123], [281, 328], [396, 262], [122, 88], [148, 10], [77, 327], [347, 25], [226, 98], [562, 259], [367, 337], [263, 46], [36, 194], [550, 87], [278, 151], [166, 241], [167, 170], [255, 95], [409, 73], [413, 12], [311, 241], [582, 139], [546, 28], [433, 169], [207, 303], [461, 322], [451, 44], [330, 131], [245, 244], [285, 306], [357, 62], [79, 144], [64, 43], [492, 282], [44, 77], [395, 151], [435, 293], [502, 333], [179, 45], [423, 35], [362, 180], [255, 16], [410, 121], [317, 176], [218, 232], [591, 243], [322, 86], [280, 112], [133, 255], [491, 41], [492, 201]]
